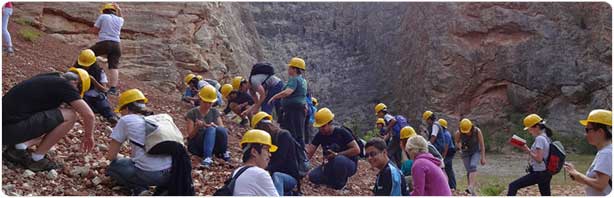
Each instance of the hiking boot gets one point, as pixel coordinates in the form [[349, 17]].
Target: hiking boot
[[206, 163], [226, 156], [42, 165], [243, 122], [113, 91], [15, 156]]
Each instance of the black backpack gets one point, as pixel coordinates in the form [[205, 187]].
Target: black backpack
[[360, 142], [229, 184], [302, 163], [556, 157], [262, 68]]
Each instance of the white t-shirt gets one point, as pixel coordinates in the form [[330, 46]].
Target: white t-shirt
[[541, 142], [388, 118], [434, 130], [255, 181], [603, 164], [133, 127], [110, 27]]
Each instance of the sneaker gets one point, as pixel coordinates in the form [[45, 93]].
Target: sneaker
[[470, 191], [113, 91], [206, 163], [15, 156], [226, 156], [244, 122], [42, 165]]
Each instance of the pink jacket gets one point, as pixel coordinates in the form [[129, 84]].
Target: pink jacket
[[428, 178]]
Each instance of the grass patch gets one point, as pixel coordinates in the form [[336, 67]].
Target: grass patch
[[24, 21], [29, 34], [492, 190]]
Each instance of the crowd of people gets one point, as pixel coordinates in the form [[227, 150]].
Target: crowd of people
[[277, 149]]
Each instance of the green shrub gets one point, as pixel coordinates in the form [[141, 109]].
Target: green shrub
[[29, 34], [24, 21], [492, 190]]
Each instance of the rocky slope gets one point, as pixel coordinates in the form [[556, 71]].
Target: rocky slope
[[491, 62]]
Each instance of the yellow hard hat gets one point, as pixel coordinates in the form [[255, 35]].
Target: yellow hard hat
[[407, 132], [130, 96], [322, 117], [260, 137], [108, 6], [208, 94], [226, 89], [465, 125], [297, 62], [258, 117], [380, 121], [600, 116], [426, 115], [84, 77], [531, 120], [188, 78], [236, 82], [314, 101], [443, 122], [86, 58], [199, 77], [379, 107]]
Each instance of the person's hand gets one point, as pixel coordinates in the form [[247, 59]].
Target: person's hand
[[199, 124], [483, 161], [331, 155], [87, 142], [212, 124], [571, 169]]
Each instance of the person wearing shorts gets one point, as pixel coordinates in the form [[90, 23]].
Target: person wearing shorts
[[471, 143], [109, 25], [33, 115]]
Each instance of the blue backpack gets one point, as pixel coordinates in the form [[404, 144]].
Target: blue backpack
[[401, 122]]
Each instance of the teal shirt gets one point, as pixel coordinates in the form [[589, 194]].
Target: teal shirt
[[299, 85], [406, 167]]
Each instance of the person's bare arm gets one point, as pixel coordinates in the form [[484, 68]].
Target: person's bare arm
[[352, 150], [219, 122], [113, 150], [87, 116], [482, 147], [599, 183], [311, 149]]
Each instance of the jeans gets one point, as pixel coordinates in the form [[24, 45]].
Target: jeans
[[335, 173], [284, 183], [541, 178], [125, 173], [450, 171], [268, 108], [209, 141], [6, 36], [100, 104]]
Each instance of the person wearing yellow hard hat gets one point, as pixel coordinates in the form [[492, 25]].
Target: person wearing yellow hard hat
[[435, 134], [538, 155], [32, 114], [427, 176], [285, 175], [239, 99], [470, 140], [252, 179], [406, 133], [393, 125], [96, 96], [293, 100], [339, 149], [379, 125], [132, 104], [108, 26], [206, 133], [194, 84], [264, 84], [598, 132], [448, 153]]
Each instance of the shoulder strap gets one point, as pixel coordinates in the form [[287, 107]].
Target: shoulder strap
[[240, 172], [146, 127]]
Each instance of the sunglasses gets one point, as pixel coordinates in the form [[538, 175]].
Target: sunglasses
[[371, 154]]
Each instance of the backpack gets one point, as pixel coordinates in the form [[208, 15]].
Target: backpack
[[229, 184], [302, 163], [401, 122], [159, 128], [361, 143], [262, 68], [556, 157]]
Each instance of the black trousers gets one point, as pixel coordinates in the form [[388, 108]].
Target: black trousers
[[293, 120], [541, 178]]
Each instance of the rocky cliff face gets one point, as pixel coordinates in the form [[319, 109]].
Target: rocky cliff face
[[491, 62]]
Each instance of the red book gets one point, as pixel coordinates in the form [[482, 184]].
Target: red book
[[517, 141]]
